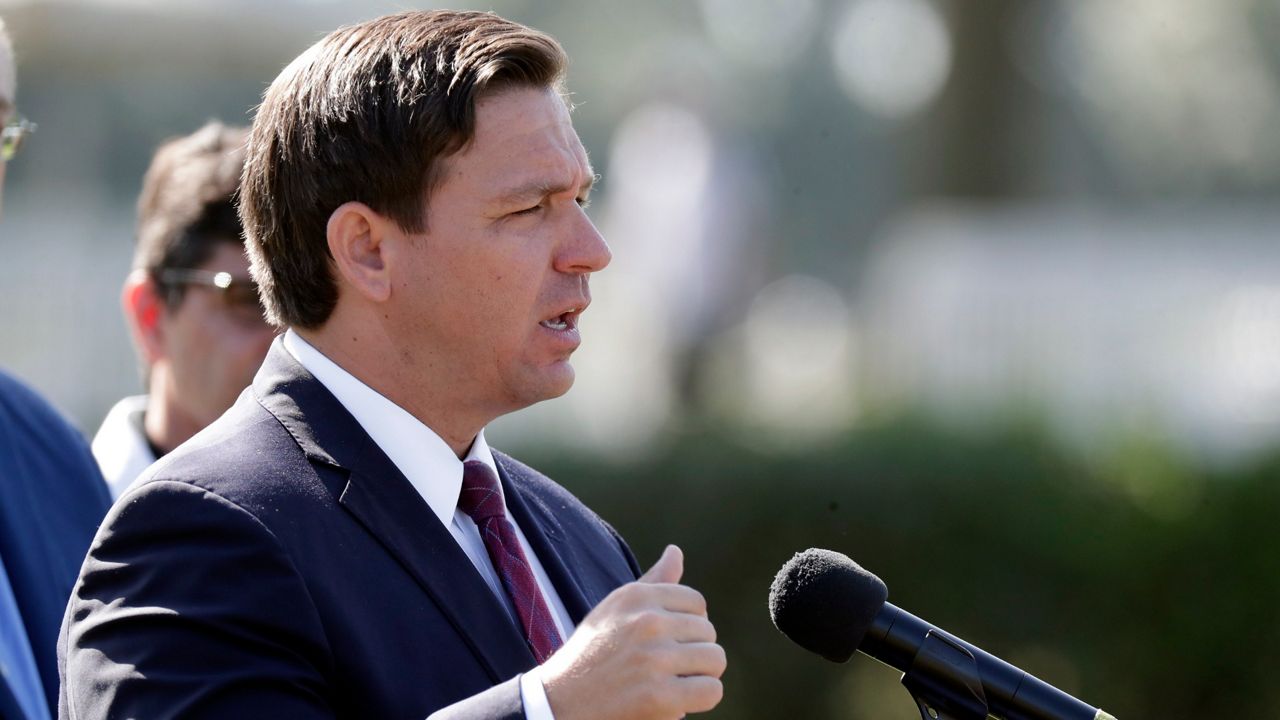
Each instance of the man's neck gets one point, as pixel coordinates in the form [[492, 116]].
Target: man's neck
[[372, 363], [163, 422]]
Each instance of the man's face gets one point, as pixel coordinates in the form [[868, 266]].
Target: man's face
[[496, 282], [212, 344]]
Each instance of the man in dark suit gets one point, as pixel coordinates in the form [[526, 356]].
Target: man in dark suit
[[51, 499], [343, 542]]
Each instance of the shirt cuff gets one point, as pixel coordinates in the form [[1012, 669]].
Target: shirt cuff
[[534, 697]]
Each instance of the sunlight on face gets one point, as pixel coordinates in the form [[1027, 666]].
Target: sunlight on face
[[492, 294]]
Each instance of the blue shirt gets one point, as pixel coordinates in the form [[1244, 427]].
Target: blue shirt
[[51, 501]]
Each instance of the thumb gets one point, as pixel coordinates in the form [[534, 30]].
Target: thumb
[[668, 569]]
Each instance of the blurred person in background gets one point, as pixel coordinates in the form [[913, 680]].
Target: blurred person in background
[[51, 500], [190, 304], [343, 542]]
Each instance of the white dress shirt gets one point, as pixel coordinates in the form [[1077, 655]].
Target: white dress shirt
[[436, 473], [121, 446]]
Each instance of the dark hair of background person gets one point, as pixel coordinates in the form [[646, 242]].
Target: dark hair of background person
[[186, 208], [368, 114]]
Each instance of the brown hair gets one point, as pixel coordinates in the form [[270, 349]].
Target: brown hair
[[186, 207], [368, 114]]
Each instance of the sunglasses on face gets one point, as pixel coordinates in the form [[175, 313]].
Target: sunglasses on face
[[239, 296]]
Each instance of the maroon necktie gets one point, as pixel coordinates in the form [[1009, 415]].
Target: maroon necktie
[[482, 500]]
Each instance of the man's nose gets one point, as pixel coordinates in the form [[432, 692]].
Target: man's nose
[[585, 249]]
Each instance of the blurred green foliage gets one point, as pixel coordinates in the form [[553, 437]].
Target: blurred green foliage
[[1080, 571]]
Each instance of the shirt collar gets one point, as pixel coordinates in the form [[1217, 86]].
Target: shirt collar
[[419, 453], [120, 445]]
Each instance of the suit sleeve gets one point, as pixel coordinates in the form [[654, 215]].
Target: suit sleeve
[[500, 702], [187, 607], [625, 549]]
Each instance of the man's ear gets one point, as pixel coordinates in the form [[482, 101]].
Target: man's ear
[[357, 237], [143, 311]]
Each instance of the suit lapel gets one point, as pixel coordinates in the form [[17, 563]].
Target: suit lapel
[[389, 508], [379, 496], [547, 538]]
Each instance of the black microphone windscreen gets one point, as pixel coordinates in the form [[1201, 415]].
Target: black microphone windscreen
[[825, 602]]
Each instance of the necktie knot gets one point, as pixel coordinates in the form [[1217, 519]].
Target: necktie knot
[[481, 497]]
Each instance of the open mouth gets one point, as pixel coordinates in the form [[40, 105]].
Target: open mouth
[[564, 321]]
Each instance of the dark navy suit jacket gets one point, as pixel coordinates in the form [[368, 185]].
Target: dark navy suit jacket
[[278, 565], [51, 500]]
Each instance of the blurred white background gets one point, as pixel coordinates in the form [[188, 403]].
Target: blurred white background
[[823, 212]]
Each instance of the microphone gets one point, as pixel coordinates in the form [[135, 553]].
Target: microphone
[[829, 605]]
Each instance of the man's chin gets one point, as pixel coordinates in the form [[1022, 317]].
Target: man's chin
[[547, 383]]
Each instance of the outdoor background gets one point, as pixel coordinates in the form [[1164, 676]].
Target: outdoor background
[[985, 295]]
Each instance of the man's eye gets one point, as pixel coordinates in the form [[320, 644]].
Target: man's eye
[[584, 203], [528, 210]]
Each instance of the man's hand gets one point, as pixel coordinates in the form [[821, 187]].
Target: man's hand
[[646, 652]]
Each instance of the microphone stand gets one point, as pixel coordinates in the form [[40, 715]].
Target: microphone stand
[[955, 694], [944, 680]]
